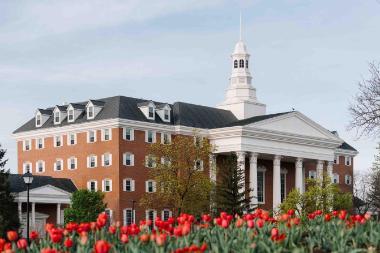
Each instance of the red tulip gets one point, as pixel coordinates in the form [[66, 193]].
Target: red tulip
[[327, 217], [250, 224], [239, 222], [274, 232], [260, 223], [102, 246], [225, 223], [291, 212], [48, 250], [2, 243], [22, 243], [206, 218], [112, 230], [342, 214], [367, 216], [161, 239], [68, 243], [33, 235], [124, 238], [12, 235], [144, 238]]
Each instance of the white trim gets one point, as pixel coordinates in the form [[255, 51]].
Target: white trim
[[132, 133], [63, 198], [162, 213], [154, 186], [348, 161], [89, 184], [89, 137], [24, 145], [89, 161], [154, 215], [37, 144], [133, 212], [56, 165], [153, 159], [43, 166], [24, 169], [103, 132], [69, 163], [261, 169], [163, 136], [104, 184], [69, 139], [336, 159], [38, 114], [90, 108], [312, 174], [283, 172], [55, 141], [68, 114], [132, 159], [348, 179], [56, 110], [109, 158], [201, 167], [110, 215], [132, 184], [335, 177], [154, 133]]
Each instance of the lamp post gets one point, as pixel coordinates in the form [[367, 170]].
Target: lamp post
[[28, 179]]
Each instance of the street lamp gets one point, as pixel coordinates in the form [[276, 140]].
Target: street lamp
[[28, 179]]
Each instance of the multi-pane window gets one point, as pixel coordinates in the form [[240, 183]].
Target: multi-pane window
[[90, 112], [27, 145], [106, 134], [348, 160], [348, 179], [91, 136], [336, 178], [150, 186], [165, 161], [128, 159], [38, 120], [165, 138], [151, 215], [150, 136], [128, 134], [128, 216], [107, 185], [92, 185], [241, 64], [246, 64], [108, 212], [27, 166], [91, 161], [166, 115], [166, 214], [107, 159], [312, 174], [71, 139], [58, 165], [72, 163], [70, 115], [58, 141], [283, 186], [235, 64], [260, 186], [150, 161], [40, 166], [57, 117], [129, 185], [199, 164], [336, 159], [40, 143], [151, 112]]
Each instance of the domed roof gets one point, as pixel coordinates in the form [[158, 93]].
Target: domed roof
[[240, 48]]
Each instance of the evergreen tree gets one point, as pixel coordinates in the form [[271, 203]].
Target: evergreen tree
[[8, 209], [374, 192], [230, 194], [85, 206]]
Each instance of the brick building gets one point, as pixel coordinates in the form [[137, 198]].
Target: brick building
[[102, 144]]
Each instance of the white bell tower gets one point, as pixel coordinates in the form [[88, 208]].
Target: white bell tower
[[241, 95]]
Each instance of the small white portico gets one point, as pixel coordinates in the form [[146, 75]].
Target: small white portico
[[291, 136]]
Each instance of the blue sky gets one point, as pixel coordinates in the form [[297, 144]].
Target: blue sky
[[305, 54]]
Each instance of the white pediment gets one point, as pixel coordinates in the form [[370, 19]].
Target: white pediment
[[48, 190], [295, 123]]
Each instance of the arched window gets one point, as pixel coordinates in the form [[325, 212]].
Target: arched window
[[235, 64], [246, 63], [241, 64]]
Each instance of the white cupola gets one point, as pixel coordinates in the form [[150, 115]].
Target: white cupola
[[241, 95]]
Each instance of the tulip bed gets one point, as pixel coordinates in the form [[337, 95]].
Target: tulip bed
[[254, 232]]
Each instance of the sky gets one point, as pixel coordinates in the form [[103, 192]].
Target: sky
[[308, 55]]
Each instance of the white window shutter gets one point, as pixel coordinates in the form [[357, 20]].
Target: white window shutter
[[132, 134], [103, 157], [146, 135], [154, 186], [124, 184], [146, 186], [132, 159], [124, 157], [133, 185], [110, 159]]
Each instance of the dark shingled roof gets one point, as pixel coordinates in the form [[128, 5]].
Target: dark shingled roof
[[78, 106], [256, 119], [97, 102], [17, 183], [347, 146], [45, 112]]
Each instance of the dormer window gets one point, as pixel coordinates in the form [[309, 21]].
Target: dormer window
[[166, 114], [90, 112], [70, 115], [38, 120], [57, 117], [151, 112]]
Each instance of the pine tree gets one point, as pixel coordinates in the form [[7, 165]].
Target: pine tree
[[374, 192], [230, 195], [8, 209]]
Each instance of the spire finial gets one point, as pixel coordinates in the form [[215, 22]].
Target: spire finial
[[240, 27]]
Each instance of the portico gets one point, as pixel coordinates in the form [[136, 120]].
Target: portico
[[277, 151]]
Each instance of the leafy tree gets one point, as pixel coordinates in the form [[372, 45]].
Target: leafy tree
[[365, 110], [85, 206], [181, 182], [374, 192], [231, 196], [320, 195], [9, 219]]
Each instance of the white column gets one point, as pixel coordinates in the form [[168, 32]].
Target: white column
[[253, 177], [330, 170], [212, 168], [20, 211], [58, 213], [299, 174], [276, 181], [241, 164], [320, 169], [33, 215]]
